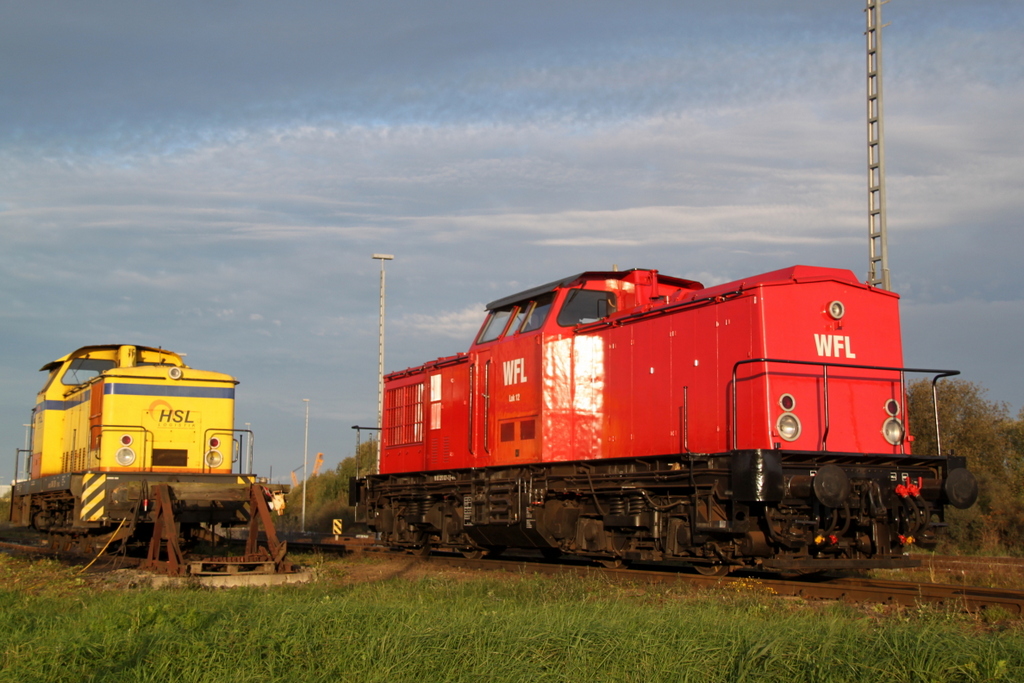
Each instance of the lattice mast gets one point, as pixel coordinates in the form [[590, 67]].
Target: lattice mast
[[878, 258]]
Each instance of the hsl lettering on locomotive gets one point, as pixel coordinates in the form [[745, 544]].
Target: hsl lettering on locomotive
[[176, 416]]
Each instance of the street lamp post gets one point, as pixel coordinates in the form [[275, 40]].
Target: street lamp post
[[380, 352], [305, 458]]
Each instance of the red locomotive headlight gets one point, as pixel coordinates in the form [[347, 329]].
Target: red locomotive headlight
[[214, 442], [788, 426], [893, 432], [126, 440], [787, 402], [892, 407], [836, 310]]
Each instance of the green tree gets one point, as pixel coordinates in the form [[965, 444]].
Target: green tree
[[983, 432], [327, 494]]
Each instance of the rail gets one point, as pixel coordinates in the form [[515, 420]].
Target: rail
[[824, 366]]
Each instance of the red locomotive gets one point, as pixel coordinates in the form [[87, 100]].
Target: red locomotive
[[632, 416]]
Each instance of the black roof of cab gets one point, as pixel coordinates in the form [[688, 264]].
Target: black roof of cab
[[588, 275]]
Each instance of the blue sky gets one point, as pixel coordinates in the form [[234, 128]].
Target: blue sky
[[213, 177]]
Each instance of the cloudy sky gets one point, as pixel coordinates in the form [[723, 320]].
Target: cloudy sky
[[214, 177]]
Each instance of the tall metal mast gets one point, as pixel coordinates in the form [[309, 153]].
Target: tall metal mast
[[878, 262]]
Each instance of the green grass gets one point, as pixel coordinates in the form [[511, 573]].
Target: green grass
[[477, 628]]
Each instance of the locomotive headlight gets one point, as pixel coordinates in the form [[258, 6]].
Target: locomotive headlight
[[788, 426], [892, 407], [175, 373], [836, 310], [124, 456], [892, 430], [214, 458]]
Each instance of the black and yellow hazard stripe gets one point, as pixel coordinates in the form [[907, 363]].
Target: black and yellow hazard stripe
[[94, 497]]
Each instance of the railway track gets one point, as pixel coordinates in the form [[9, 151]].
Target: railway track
[[847, 589]]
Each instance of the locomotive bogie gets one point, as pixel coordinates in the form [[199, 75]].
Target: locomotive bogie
[[745, 509]]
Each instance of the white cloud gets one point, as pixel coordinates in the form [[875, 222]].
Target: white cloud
[[460, 325]]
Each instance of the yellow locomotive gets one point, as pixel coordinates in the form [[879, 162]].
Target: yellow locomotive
[[115, 422]]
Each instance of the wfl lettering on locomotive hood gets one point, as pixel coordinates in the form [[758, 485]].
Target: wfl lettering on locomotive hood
[[833, 345]]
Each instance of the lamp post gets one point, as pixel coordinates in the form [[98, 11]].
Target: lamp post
[[305, 458], [380, 352]]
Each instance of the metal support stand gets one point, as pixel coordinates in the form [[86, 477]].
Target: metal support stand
[[259, 513], [165, 536], [257, 559]]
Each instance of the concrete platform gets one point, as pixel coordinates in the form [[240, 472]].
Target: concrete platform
[[233, 580]]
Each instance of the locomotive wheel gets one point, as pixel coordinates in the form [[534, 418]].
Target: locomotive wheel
[[615, 563], [712, 569]]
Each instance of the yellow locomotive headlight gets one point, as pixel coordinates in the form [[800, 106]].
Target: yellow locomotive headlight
[[124, 456], [214, 459]]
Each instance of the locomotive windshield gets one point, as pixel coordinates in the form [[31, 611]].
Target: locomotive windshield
[[84, 369], [537, 313], [526, 316], [495, 324]]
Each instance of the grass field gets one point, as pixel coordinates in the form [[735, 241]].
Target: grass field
[[393, 620]]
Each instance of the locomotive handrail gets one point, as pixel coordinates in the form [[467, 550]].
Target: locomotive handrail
[[230, 430], [17, 465], [655, 311], [147, 438], [824, 365]]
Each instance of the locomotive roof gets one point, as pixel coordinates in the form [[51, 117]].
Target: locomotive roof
[[589, 275], [792, 274], [57, 363]]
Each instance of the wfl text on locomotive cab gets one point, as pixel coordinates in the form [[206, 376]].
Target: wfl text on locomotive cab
[[633, 416], [113, 421]]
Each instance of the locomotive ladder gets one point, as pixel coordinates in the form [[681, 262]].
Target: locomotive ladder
[[878, 241]]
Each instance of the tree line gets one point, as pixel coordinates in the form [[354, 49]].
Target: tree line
[[972, 426]]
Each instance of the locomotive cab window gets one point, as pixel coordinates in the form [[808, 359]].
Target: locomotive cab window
[[537, 313], [84, 369], [586, 306], [496, 324]]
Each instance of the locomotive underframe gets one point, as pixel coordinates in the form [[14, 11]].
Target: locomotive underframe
[[757, 508], [90, 505]]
